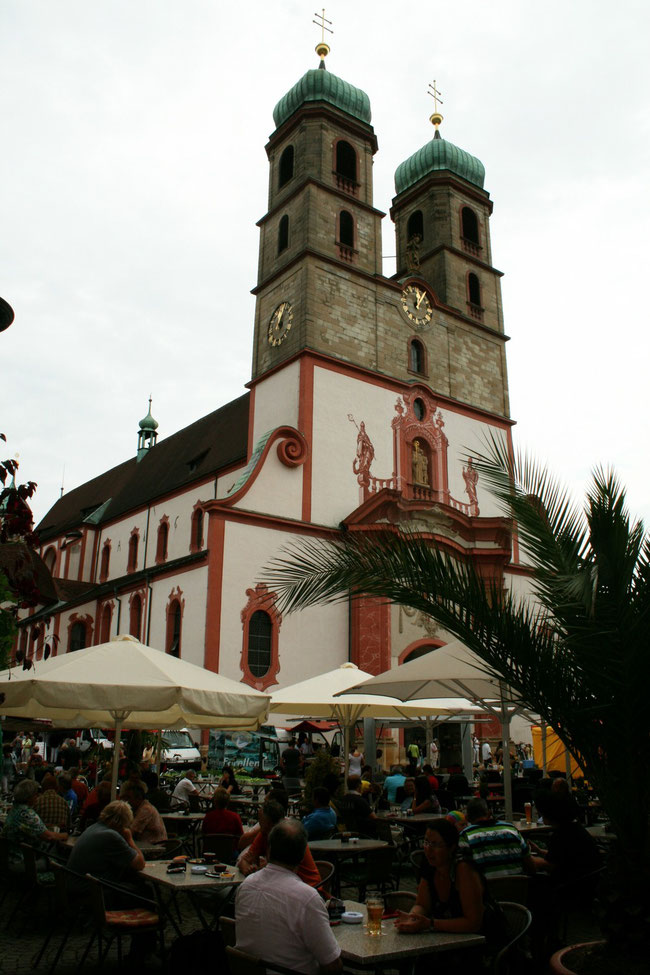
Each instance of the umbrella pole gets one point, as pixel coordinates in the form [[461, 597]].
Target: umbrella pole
[[346, 749], [116, 757], [507, 767], [543, 723], [428, 739]]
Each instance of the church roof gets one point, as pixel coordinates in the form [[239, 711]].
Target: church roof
[[320, 85], [436, 155], [194, 453]]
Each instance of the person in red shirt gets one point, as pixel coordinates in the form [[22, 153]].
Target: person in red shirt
[[220, 819], [254, 858], [433, 781], [80, 788]]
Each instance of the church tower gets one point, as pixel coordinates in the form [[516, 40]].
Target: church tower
[[320, 240]]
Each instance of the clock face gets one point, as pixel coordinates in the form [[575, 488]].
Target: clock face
[[280, 323], [417, 305]]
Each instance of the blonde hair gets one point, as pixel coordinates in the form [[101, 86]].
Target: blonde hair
[[116, 815]]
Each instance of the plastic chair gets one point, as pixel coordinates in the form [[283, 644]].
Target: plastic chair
[[326, 871], [221, 844], [399, 900], [241, 963], [115, 924], [513, 889], [518, 920]]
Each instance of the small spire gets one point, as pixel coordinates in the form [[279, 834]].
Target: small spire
[[322, 49], [147, 434], [436, 118]]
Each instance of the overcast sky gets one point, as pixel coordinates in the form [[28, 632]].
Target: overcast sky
[[132, 172]]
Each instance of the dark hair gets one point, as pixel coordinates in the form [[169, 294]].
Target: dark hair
[[446, 830], [332, 782], [272, 811], [287, 842], [477, 809], [281, 796], [353, 783], [321, 796], [422, 788], [151, 779], [428, 769], [555, 807]]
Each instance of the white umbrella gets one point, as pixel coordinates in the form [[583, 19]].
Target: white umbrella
[[450, 670], [126, 683], [317, 698]]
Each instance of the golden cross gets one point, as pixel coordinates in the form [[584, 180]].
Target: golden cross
[[435, 94], [321, 17]]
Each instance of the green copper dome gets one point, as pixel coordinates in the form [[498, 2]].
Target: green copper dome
[[148, 422], [435, 156], [320, 85]]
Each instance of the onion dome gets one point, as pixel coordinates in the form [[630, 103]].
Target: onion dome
[[320, 85], [435, 156], [148, 423]]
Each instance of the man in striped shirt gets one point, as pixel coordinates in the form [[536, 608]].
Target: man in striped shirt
[[496, 847]]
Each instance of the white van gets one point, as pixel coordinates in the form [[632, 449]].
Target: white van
[[179, 750]]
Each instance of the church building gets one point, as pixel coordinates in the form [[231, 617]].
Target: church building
[[366, 399]]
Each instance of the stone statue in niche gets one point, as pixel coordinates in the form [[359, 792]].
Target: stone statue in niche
[[413, 252], [470, 476], [419, 465]]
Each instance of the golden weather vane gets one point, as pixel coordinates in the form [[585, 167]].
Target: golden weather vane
[[436, 118], [322, 49]]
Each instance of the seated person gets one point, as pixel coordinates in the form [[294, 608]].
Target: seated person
[[107, 849], [220, 819], [406, 803], [281, 920], [184, 789], [24, 825], [68, 793], [52, 807], [147, 824], [497, 848], [354, 810], [571, 852], [424, 800], [320, 823], [393, 782], [157, 797], [97, 800], [254, 858], [433, 779], [450, 891], [80, 788]]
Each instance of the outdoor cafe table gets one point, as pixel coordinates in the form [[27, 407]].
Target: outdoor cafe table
[[191, 820], [420, 821], [188, 883], [337, 849], [360, 949]]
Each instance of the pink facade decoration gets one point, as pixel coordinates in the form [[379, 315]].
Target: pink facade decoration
[[261, 600], [470, 476]]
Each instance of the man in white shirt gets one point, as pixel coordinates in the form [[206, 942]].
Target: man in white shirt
[[486, 752], [281, 919], [183, 791]]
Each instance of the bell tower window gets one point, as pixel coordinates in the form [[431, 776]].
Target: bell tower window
[[283, 234], [415, 226], [469, 230], [474, 296], [345, 167], [286, 167]]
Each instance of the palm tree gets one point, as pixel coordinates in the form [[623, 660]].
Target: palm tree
[[577, 652]]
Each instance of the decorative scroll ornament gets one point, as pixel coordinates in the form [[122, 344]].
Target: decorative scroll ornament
[[292, 450]]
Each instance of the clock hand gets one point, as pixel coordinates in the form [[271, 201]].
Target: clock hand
[[420, 297]]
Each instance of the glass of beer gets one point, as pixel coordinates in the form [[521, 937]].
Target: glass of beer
[[375, 909]]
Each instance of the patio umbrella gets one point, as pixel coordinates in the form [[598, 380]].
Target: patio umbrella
[[126, 683], [317, 698], [446, 672]]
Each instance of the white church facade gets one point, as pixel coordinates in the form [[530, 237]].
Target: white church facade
[[367, 398]]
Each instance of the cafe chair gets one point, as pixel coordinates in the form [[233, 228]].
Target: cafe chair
[[417, 859], [31, 882], [241, 963], [69, 914], [109, 926], [326, 871], [514, 889], [228, 930], [399, 900], [221, 844], [518, 921], [375, 870]]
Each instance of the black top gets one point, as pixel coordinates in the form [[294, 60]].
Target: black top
[[355, 812], [573, 851], [291, 761], [493, 926]]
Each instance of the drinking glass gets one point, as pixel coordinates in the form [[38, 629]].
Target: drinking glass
[[375, 909]]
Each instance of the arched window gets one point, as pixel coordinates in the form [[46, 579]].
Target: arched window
[[105, 562], [78, 634], [132, 564], [105, 624], [283, 234], [473, 290], [415, 225], [163, 536], [50, 560], [259, 643], [196, 539], [174, 616], [416, 357], [286, 167], [346, 161], [135, 617], [469, 226], [346, 229]]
